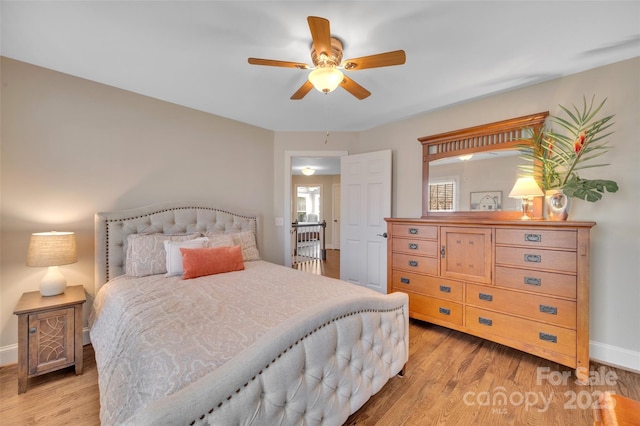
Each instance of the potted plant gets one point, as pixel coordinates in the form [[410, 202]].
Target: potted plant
[[558, 157]]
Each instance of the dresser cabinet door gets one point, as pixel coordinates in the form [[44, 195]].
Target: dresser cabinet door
[[51, 340], [466, 253]]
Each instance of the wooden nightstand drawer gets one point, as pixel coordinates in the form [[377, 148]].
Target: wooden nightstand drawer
[[51, 340], [416, 231], [430, 286], [540, 308], [414, 246], [537, 238]]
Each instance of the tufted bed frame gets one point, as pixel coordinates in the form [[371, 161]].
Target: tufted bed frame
[[268, 384]]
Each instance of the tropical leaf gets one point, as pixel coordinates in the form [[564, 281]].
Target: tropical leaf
[[557, 157]]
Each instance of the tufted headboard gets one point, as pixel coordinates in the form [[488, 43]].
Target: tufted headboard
[[112, 229]]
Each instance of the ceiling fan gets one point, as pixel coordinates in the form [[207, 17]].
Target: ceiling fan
[[326, 55]]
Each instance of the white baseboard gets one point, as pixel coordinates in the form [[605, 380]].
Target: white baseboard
[[615, 356], [9, 353]]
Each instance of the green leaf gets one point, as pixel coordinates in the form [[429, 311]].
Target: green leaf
[[588, 189]]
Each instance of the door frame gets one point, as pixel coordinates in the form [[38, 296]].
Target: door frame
[[288, 155], [335, 236]]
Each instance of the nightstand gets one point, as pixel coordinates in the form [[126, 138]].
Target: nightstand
[[49, 333]]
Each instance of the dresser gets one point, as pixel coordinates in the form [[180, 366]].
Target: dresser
[[523, 284]]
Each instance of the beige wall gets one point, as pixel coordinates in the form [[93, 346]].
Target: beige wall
[[119, 150], [71, 148]]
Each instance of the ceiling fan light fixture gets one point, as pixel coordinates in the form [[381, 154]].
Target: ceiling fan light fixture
[[326, 79], [308, 171]]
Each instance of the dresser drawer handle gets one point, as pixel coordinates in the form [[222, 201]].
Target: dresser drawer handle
[[32, 330], [404, 280], [445, 289], [485, 321], [485, 296], [413, 246], [444, 311], [546, 309], [532, 258], [548, 337], [413, 231], [413, 263], [533, 238], [532, 281]]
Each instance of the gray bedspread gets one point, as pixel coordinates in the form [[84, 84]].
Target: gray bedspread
[[153, 336]]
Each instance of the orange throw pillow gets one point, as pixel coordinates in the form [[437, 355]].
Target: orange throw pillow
[[197, 262]]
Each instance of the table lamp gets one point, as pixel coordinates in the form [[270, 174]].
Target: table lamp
[[52, 249], [526, 188]]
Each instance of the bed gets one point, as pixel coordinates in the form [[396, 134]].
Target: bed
[[261, 344]]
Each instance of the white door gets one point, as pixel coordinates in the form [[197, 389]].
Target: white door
[[335, 235], [365, 202]]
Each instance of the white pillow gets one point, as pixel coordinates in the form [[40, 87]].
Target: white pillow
[[174, 257]]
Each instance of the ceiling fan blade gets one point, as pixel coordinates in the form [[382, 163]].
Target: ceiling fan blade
[[397, 57], [321, 34], [302, 91], [272, 63], [354, 88]]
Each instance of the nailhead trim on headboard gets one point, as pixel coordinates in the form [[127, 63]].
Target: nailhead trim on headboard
[[108, 219]]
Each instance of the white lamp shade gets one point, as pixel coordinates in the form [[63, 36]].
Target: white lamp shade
[[326, 79], [526, 187], [52, 249]]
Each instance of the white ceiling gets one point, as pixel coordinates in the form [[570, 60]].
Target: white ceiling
[[194, 53]]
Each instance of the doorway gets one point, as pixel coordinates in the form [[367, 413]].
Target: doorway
[[291, 157]]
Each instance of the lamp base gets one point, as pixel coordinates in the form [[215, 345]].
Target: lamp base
[[525, 209], [53, 282]]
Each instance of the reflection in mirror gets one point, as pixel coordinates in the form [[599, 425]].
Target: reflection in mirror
[[470, 172], [480, 183]]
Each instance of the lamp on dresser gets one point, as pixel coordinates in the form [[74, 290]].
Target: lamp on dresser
[[526, 188], [52, 249]]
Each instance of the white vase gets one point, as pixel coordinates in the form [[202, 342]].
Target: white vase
[[557, 204]]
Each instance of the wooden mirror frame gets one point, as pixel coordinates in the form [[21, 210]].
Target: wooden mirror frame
[[501, 135]]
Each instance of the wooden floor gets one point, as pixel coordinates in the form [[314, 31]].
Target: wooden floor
[[328, 268], [451, 378]]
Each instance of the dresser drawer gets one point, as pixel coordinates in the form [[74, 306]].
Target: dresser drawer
[[540, 308], [535, 258], [525, 332], [430, 286], [537, 238], [536, 281], [415, 246], [438, 309], [425, 265], [415, 231]]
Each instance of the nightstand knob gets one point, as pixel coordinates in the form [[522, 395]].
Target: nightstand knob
[[32, 330]]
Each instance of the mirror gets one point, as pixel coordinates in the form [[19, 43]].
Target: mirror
[[470, 172]]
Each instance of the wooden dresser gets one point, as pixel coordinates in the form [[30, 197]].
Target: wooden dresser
[[524, 284]]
